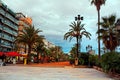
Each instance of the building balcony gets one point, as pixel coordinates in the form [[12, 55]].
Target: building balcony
[[21, 23]]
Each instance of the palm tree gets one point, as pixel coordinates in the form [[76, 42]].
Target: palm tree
[[59, 52], [29, 37], [108, 32], [39, 47], [98, 4], [78, 31], [55, 52]]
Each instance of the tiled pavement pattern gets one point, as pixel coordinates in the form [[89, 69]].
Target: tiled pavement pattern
[[50, 73]]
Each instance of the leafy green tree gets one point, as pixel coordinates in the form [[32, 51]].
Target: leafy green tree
[[29, 37], [59, 52], [39, 47], [56, 52], [98, 4], [108, 32], [77, 30], [52, 52]]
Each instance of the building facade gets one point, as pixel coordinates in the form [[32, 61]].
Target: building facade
[[24, 21], [11, 25], [48, 44], [8, 28]]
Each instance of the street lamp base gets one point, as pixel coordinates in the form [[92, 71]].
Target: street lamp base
[[76, 61]]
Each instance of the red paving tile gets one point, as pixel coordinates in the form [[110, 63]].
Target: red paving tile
[[52, 64]]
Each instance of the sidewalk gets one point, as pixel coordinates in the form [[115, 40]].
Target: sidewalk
[[54, 65], [50, 73]]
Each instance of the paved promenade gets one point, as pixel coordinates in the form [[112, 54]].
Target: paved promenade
[[50, 73]]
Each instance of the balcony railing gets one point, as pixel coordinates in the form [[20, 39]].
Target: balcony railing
[[2, 11]]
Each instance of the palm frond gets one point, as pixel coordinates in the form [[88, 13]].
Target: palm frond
[[112, 19], [107, 31], [76, 29], [92, 2]]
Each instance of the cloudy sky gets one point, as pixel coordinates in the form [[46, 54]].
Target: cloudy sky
[[54, 17]]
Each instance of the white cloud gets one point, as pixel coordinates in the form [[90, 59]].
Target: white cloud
[[54, 16]]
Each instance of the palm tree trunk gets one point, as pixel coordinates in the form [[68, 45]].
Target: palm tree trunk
[[77, 47], [29, 52], [79, 50], [76, 57], [25, 48], [37, 57], [99, 54]]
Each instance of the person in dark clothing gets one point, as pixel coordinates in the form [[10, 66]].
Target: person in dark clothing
[[3, 57]]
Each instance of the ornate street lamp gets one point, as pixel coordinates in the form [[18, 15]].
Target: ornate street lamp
[[89, 48], [77, 34]]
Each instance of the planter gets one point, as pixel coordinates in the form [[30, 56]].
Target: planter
[[98, 68]]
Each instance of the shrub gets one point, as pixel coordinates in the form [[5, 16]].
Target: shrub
[[110, 62], [81, 61], [72, 60], [84, 58], [97, 61], [92, 59]]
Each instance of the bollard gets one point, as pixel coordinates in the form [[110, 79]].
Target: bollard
[[25, 61]]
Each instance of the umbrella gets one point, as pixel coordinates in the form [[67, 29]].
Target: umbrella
[[13, 54]]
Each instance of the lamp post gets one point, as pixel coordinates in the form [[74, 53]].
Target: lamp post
[[88, 49], [78, 19]]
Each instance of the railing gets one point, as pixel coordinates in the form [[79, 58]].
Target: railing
[[2, 11], [7, 15], [12, 18], [10, 24]]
